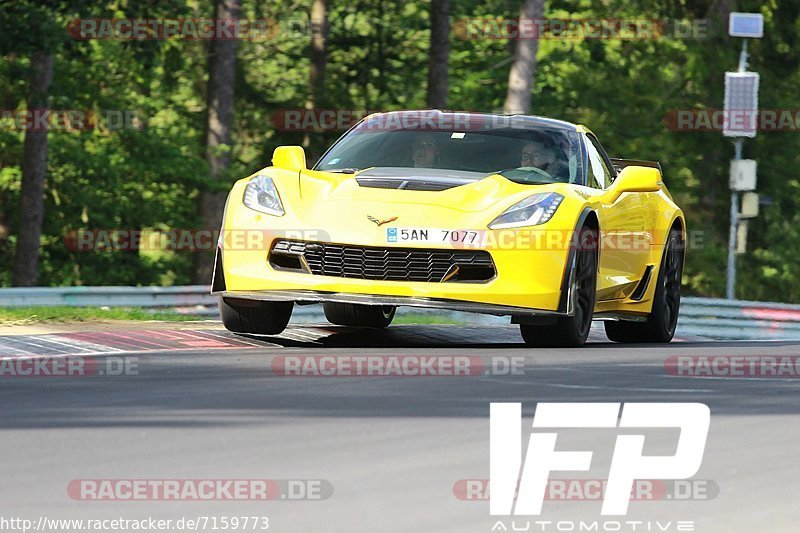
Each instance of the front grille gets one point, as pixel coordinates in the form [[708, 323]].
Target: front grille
[[388, 264]]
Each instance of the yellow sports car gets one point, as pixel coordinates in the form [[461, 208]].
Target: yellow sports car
[[508, 215]]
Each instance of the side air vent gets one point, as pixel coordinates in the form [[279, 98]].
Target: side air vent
[[641, 288]]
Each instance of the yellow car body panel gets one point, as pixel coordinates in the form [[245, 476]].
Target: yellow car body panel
[[531, 263]]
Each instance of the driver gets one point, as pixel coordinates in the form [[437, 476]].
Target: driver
[[425, 151], [536, 154], [543, 156]]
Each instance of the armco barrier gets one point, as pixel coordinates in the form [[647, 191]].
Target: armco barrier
[[738, 319], [185, 296], [703, 317]]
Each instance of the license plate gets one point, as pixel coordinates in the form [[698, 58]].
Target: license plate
[[433, 236]]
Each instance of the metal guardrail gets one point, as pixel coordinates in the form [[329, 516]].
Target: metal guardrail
[[738, 319], [702, 317], [184, 296]]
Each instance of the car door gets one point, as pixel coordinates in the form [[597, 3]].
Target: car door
[[624, 242]]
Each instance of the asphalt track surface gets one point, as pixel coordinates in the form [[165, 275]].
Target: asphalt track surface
[[393, 449]]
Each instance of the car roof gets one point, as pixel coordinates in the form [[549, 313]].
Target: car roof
[[531, 120]]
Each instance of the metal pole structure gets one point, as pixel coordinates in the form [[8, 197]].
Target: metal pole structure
[[731, 281], [729, 290]]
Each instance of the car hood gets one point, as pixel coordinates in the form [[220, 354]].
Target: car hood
[[465, 192]]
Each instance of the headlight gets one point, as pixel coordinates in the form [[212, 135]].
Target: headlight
[[531, 211], [262, 195]]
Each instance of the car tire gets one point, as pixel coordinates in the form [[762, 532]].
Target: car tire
[[369, 316], [572, 331], [663, 319], [253, 316]]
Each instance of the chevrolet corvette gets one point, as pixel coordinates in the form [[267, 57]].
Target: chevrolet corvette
[[520, 216]]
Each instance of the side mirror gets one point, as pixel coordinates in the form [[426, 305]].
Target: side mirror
[[289, 158], [638, 179]]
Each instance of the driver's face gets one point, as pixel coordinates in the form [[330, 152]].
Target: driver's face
[[536, 155], [424, 151]]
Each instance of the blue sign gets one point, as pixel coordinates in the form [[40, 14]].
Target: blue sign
[[746, 25]]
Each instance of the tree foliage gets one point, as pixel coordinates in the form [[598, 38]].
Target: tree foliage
[[150, 176]]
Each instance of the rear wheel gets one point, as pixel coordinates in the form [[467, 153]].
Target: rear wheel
[[663, 319], [573, 330], [370, 316], [253, 316]]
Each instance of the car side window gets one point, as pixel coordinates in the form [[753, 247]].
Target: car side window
[[599, 177], [610, 171]]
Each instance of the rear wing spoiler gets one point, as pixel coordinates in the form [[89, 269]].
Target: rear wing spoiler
[[619, 164]]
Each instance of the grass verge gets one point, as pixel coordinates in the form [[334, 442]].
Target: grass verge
[[427, 319], [10, 316]]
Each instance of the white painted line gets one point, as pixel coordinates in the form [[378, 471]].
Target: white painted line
[[237, 339], [591, 387], [27, 343], [75, 343]]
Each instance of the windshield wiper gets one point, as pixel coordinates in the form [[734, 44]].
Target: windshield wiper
[[344, 170]]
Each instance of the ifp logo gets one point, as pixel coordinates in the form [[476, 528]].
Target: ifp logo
[[509, 479]]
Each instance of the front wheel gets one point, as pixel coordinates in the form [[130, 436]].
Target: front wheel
[[573, 330], [370, 316], [663, 319], [253, 316]]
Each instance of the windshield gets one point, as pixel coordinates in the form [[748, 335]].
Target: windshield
[[519, 150]]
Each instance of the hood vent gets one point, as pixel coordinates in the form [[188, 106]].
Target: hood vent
[[412, 184], [415, 179]]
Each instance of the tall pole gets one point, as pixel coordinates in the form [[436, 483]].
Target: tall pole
[[731, 281], [731, 285]]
